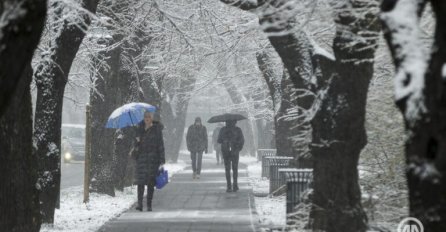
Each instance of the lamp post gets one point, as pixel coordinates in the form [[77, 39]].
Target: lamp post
[[87, 154]]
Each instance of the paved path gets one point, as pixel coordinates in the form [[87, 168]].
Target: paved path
[[194, 205], [72, 174]]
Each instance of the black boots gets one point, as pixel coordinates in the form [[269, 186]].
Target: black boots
[[149, 206], [235, 188], [150, 190]]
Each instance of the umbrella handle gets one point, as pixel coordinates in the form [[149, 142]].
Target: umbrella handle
[[131, 120]]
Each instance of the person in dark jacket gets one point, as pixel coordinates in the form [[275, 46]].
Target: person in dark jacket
[[149, 157], [215, 144], [197, 143], [232, 141]]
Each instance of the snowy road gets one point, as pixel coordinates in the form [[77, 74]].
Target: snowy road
[[72, 174]]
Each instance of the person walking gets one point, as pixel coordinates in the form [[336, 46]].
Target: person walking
[[232, 141], [197, 143], [215, 144], [149, 157]]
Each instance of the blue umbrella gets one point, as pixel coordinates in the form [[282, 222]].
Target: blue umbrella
[[128, 115]]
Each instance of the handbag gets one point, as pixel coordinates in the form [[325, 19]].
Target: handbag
[[161, 179]]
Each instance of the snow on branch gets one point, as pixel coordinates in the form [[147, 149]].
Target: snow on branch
[[318, 50]]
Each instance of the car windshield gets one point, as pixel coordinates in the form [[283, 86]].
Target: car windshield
[[72, 132]]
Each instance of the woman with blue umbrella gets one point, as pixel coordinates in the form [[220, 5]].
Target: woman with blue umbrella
[[149, 146]]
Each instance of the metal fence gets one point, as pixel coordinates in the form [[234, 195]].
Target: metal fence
[[261, 154], [265, 152], [282, 176], [274, 163], [297, 181]]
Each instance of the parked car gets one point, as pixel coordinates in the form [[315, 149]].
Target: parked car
[[73, 142]]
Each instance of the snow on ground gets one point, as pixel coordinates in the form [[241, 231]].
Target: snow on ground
[[173, 168], [75, 216], [271, 210]]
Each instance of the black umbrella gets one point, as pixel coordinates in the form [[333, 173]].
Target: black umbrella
[[226, 117]]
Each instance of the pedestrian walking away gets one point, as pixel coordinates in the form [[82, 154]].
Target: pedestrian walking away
[[232, 141], [197, 143], [215, 144], [149, 156]]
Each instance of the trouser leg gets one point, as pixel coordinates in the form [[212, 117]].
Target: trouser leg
[[193, 156], [140, 194], [235, 159], [222, 157], [217, 152], [199, 159], [150, 191], [227, 161]]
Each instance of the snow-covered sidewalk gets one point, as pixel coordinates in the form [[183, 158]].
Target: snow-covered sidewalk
[[271, 210], [188, 204], [76, 216]]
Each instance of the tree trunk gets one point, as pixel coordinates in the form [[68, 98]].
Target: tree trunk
[[265, 130], [122, 167], [175, 125], [174, 117], [265, 121], [51, 77], [48, 138], [421, 97], [128, 91], [237, 98], [288, 129], [339, 132], [292, 131], [19, 195], [152, 91], [266, 67], [339, 128], [20, 34], [297, 90], [104, 98], [119, 84]]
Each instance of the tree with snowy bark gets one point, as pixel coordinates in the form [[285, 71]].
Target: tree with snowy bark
[[68, 23], [174, 113], [296, 52], [339, 96], [21, 25], [291, 135], [17, 41], [119, 76], [420, 94]]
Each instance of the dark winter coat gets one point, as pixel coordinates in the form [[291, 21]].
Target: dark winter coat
[[231, 140], [150, 153], [197, 138]]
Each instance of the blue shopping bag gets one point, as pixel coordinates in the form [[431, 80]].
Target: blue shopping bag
[[161, 179]]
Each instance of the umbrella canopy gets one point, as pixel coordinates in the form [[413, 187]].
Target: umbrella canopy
[[128, 115], [226, 117]]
